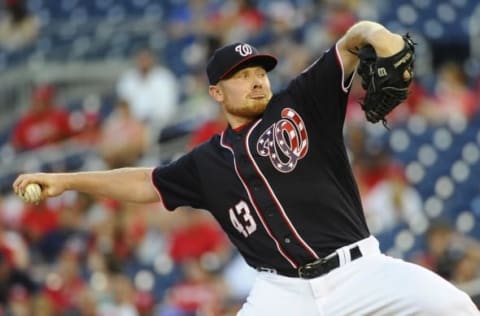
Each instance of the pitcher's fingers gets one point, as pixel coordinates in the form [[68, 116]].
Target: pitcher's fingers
[[21, 182], [407, 75], [17, 184]]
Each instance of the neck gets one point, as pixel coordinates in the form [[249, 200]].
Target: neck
[[237, 123]]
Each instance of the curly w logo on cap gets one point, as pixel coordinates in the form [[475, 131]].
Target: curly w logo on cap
[[244, 49], [228, 59]]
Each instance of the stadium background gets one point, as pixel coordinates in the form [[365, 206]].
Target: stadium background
[[78, 255]]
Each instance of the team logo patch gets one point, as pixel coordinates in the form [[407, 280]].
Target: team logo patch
[[244, 49], [284, 142]]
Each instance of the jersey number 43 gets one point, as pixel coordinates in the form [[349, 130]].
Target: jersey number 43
[[242, 219]]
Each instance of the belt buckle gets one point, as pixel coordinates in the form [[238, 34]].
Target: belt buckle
[[310, 270]]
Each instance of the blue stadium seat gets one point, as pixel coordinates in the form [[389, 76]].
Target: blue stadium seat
[[6, 183], [160, 282], [425, 188], [5, 134], [387, 238], [439, 20]]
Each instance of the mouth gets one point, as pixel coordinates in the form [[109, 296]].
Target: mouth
[[257, 96]]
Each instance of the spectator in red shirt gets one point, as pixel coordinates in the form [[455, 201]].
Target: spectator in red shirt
[[195, 236], [207, 129], [64, 286], [123, 138], [44, 123], [39, 220]]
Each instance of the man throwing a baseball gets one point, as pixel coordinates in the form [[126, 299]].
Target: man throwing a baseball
[[278, 181]]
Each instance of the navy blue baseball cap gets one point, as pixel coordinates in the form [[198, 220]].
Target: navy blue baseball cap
[[228, 59]]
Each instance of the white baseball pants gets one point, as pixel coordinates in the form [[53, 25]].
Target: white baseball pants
[[374, 284]]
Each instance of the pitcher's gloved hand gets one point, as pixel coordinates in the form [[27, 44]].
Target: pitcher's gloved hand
[[385, 79]]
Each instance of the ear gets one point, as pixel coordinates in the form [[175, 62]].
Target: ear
[[216, 93]]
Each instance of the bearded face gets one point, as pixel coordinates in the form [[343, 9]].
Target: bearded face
[[246, 93]]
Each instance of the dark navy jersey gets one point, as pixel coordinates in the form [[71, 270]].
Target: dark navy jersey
[[282, 187]]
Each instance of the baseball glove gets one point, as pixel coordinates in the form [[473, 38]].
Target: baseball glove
[[383, 79]]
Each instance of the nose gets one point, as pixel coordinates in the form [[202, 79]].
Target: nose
[[257, 83]]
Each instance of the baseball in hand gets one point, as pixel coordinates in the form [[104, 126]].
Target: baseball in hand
[[32, 194]]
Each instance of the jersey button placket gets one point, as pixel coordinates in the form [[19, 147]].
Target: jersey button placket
[[256, 185], [243, 159]]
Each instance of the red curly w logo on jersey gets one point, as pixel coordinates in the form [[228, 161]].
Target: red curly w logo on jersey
[[285, 142]]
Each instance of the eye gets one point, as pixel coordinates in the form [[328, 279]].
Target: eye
[[241, 75], [261, 74]]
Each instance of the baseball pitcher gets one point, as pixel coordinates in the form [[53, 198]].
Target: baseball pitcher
[[278, 181]]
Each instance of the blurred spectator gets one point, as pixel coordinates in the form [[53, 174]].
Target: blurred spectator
[[42, 306], [339, 18], [44, 123], [151, 90], [107, 237], [18, 27], [202, 292], [14, 282], [239, 278], [88, 120], [38, 221], [198, 106], [19, 302], [14, 248], [370, 160], [465, 268], [187, 27], [123, 138], [452, 255], [418, 98], [11, 209], [392, 201], [283, 18], [198, 17], [87, 303], [388, 198], [206, 130], [289, 64], [453, 98], [115, 232], [64, 285], [241, 20], [437, 238], [198, 236], [122, 302]]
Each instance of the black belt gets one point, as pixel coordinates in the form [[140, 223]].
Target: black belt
[[318, 267]]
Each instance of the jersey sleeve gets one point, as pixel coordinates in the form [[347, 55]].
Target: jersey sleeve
[[322, 88], [178, 183]]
